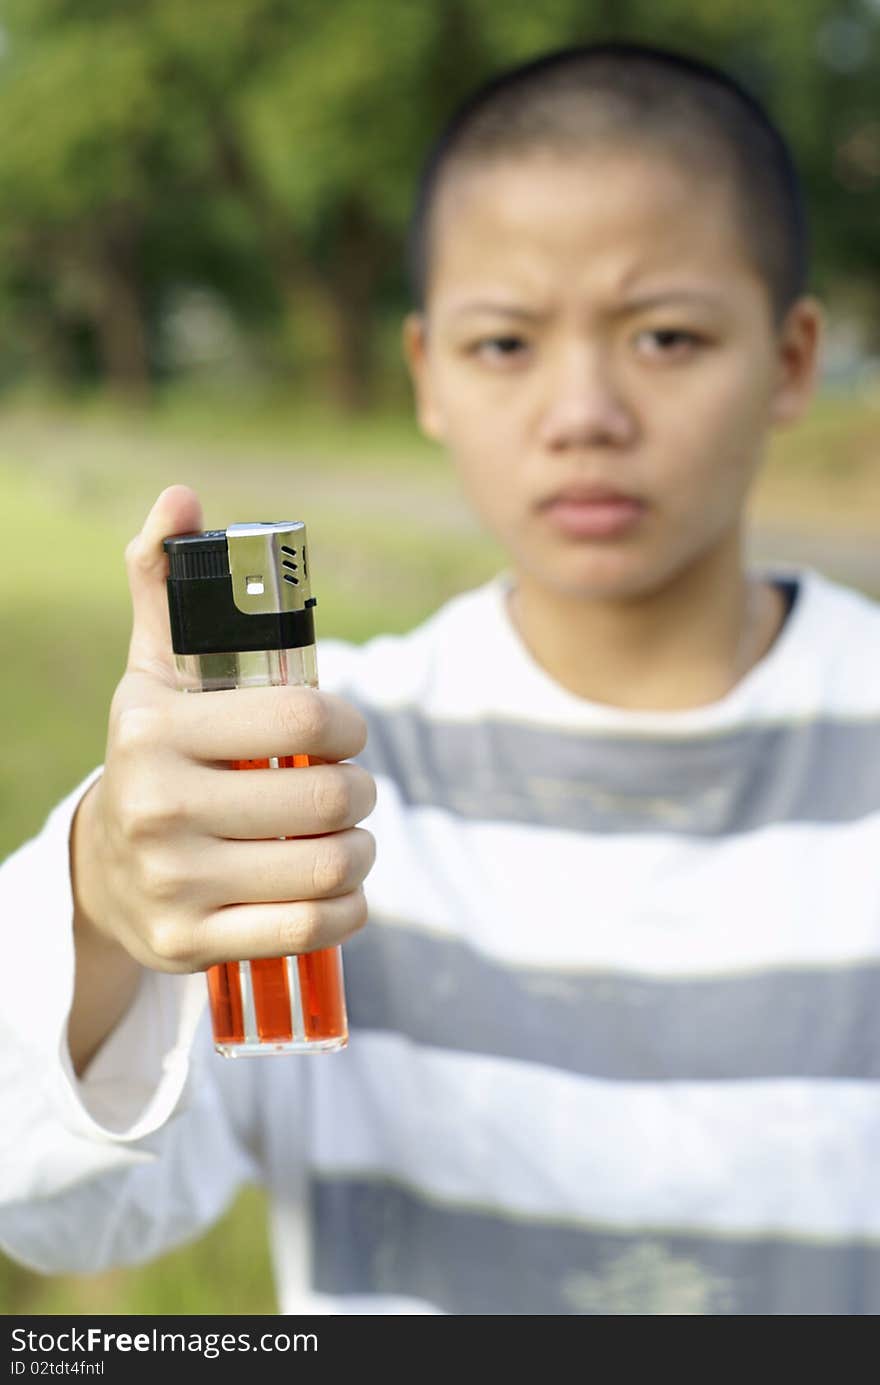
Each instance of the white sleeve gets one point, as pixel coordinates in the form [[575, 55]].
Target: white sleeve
[[149, 1146], [143, 1151]]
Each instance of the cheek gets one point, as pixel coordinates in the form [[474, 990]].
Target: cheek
[[487, 474], [484, 438], [712, 435]]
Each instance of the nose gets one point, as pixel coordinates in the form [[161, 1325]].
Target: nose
[[583, 405]]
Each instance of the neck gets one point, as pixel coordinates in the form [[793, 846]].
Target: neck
[[684, 645]]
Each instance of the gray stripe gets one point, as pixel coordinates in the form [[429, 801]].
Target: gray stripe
[[797, 1023], [816, 771], [381, 1238]]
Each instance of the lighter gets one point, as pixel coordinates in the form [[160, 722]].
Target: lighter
[[242, 617]]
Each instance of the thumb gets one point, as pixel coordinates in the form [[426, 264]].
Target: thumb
[[177, 510]]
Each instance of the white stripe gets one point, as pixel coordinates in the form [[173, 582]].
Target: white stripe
[[792, 894], [783, 1157], [825, 662]]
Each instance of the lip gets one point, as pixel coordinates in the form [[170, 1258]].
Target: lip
[[583, 511], [587, 492]]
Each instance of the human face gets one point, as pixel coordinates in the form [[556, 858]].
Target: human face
[[593, 321]]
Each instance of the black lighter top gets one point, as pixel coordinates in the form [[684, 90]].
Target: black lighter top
[[245, 587]]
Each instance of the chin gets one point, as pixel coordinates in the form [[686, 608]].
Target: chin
[[605, 576]]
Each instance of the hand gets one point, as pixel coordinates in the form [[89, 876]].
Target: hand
[[176, 856]]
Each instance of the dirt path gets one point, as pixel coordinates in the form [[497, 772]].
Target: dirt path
[[831, 524]]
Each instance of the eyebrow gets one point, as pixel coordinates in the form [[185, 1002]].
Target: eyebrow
[[631, 305]]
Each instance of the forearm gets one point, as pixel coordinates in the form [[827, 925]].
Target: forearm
[[106, 977], [93, 1169]]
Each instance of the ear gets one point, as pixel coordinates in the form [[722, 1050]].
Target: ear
[[799, 344], [415, 350]]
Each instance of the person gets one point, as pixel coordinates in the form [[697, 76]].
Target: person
[[613, 1040]]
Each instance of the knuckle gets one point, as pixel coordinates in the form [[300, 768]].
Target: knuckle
[[360, 731], [359, 910], [149, 815], [132, 551], [162, 877], [305, 716], [139, 557], [130, 821], [332, 796], [170, 944], [367, 847], [331, 867], [299, 930], [366, 790], [138, 729]]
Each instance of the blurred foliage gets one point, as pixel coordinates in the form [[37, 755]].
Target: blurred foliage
[[247, 167]]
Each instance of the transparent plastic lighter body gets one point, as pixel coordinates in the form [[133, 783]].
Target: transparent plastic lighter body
[[279, 1004]]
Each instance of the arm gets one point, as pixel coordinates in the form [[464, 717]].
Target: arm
[[168, 863], [106, 976], [93, 1171]]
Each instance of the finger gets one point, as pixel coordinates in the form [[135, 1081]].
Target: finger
[[258, 723], [176, 511], [318, 799], [275, 930], [272, 872]]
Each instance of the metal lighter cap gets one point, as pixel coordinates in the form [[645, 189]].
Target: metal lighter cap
[[242, 588], [268, 564]]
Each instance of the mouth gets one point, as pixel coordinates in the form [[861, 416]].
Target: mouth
[[591, 511]]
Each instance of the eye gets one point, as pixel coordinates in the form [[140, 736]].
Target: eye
[[499, 348], [671, 341]]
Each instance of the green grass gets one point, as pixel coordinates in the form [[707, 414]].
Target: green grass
[[226, 1271]]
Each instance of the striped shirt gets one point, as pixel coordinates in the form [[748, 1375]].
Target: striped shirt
[[615, 1031]]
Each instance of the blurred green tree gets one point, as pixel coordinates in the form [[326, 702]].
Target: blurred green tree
[[266, 150]]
